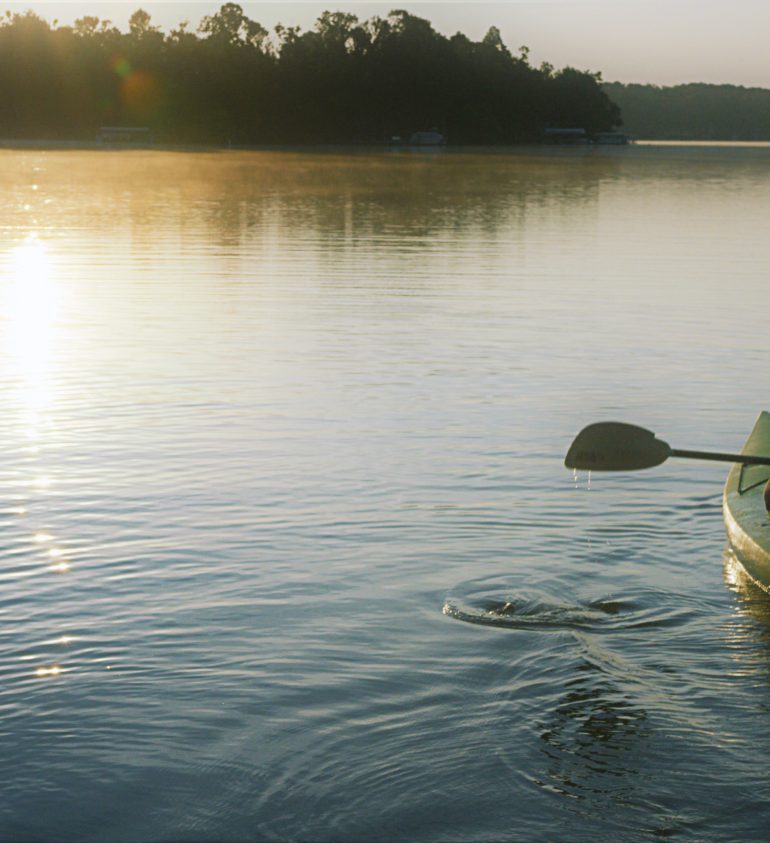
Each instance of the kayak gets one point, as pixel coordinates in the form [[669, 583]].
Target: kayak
[[746, 518]]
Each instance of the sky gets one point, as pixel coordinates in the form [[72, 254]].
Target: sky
[[663, 42]]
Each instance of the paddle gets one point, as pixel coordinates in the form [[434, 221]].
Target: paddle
[[617, 446]]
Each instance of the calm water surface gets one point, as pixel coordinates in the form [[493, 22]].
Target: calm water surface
[[288, 549]]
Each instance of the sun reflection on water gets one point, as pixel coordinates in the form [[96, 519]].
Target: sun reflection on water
[[30, 317], [48, 670], [31, 309]]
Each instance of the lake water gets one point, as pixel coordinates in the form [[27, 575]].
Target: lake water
[[288, 548]]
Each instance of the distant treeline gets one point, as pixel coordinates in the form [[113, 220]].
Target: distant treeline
[[693, 112], [233, 81]]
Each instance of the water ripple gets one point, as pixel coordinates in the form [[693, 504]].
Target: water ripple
[[500, 604], [261, 408]]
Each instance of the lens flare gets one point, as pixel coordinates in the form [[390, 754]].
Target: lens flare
[[141, 94], [121, 66]]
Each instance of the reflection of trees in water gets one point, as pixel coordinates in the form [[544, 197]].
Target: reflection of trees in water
[[326, 195], [349, 199], [330, 203]]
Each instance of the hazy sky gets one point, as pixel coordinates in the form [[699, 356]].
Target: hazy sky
[[627, 40]]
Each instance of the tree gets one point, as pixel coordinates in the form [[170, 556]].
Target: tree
[[232, 27], [139, 26], [86, 26], [494, 41], [336, 30]]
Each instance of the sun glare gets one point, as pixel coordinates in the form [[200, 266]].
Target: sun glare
[[31, 309]]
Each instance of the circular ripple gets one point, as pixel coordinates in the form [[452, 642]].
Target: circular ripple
[[515, 606]]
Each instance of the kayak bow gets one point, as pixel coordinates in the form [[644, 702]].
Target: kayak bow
[[746, 519]]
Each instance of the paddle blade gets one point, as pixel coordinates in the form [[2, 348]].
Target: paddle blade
[[616, 446]]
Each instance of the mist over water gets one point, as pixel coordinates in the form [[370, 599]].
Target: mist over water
[[288, 549]]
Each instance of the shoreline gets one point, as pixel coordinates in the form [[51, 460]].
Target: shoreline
[[91, 146]]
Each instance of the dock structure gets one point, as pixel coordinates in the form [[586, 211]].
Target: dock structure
[[611, 138], [431, 138], [574, 136], [126, 136], [565, 136]]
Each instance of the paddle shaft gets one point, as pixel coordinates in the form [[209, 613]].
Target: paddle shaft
[[711, 455]]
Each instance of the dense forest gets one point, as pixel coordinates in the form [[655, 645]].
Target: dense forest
[[693, 112], [232, 81]]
